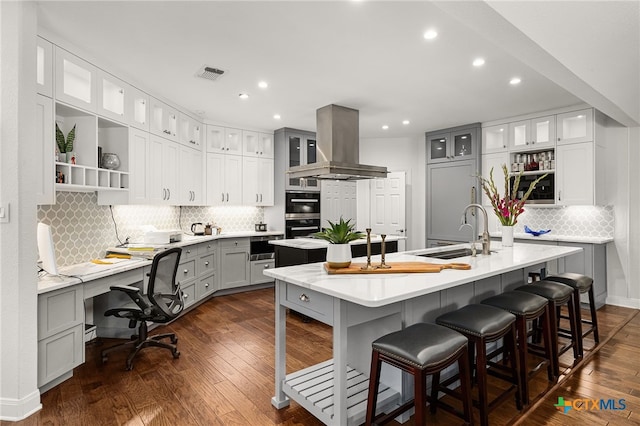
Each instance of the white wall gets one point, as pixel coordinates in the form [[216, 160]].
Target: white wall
[[401, 155], [19, 395]]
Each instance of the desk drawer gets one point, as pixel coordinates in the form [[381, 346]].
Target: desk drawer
[[206, 264], [188, 294], [186, 270], [189, 252], [60, 353], [233, 242], [205, 286], [207, 248], [103, 285], [311, 303], [60, 310], [257, 269]]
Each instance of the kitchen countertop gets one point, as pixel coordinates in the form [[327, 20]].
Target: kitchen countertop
[[316, 243], [378, 290], [556, 237]]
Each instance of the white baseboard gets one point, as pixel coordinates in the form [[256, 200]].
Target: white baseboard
[[19, 409], [623, 301]]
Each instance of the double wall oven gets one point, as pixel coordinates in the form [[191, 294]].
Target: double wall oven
[[302, 213]]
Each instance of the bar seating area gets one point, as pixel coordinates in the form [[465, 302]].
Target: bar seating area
[[519, 319]]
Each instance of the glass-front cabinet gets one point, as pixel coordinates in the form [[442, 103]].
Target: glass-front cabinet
[[301, 151], [451, 146], [44, 67], [532, 134], [494, 138], [75, 80], [575, 127], [111, 96]]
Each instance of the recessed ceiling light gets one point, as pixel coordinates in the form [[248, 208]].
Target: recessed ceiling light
[[478, 62], [276, 116], [385, 127], [263, 85], [405, 122], [514, 81], [430, 34], [244, 96]]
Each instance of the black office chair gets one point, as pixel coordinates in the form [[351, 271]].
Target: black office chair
[[162, 303]]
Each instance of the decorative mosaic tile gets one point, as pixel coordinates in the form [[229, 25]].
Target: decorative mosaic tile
[[585, 221], [82, 229]]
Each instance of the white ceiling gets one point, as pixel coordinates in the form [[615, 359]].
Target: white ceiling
[[368, 55]]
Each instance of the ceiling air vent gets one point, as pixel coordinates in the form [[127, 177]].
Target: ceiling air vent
[[210, 73]]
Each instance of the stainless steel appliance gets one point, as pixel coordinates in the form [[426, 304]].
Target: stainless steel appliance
[[543, 193], [260, 249], [302, 213]]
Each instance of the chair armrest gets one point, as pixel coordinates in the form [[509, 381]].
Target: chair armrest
[[126, 288]]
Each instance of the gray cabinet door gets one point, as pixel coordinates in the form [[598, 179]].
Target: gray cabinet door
[[235, 269], [450, 188]]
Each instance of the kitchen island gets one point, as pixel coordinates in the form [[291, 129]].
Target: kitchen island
[[361, 308]]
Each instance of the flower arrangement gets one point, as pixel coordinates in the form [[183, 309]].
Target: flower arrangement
[[507, 208]]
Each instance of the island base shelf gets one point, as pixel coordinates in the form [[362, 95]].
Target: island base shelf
[[312, 388]]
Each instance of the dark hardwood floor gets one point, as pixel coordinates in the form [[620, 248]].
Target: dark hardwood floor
[[224, 375]]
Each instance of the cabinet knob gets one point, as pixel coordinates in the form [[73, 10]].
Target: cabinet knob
[[208, 246], [188, 251], [266, 266], [558, 139], [185, 295], [206, 263], [236, 243], [206, 285], [186, 271], [304, 298]]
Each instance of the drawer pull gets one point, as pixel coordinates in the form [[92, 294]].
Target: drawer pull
[[206, 285], [185, 295], [266, 266], [186, 271], [304, 298], [206, 263]]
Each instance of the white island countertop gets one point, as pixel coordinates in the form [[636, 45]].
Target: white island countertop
[[374, 290], [305, 243]]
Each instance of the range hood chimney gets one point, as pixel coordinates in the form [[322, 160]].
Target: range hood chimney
[[338, 148]]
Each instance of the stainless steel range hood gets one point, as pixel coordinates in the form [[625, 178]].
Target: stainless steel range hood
[[338, 150]]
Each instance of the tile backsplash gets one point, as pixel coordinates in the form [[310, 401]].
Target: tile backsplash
[[570, 221], [82, 229]]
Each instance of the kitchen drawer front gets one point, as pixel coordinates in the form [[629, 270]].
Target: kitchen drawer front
[[186, 270], [188, 293], [308, 302], [207, 248], [233, 242], [189, 252], [206, 264], [60, 353], [259, 266], [60, 310], [205, 286]]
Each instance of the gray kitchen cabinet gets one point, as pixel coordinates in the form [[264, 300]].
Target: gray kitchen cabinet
[[454, 144], [300, 147], [450, 188], [60, 334], [592, 261], [257, 268], [235, 269]]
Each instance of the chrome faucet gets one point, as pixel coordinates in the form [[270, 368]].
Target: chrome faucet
[[486, 241]]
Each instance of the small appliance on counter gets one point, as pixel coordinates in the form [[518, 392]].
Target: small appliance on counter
[[157, 236], [261, 227], [197, 228]]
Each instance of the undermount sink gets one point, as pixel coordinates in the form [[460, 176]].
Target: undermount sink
[[452, 254]]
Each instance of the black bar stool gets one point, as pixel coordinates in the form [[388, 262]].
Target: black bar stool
[[557, 294], [581, 284], [421, 349], [528, 307], [483, 324]]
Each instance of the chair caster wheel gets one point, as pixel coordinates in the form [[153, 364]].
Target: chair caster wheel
[[129, 367], [176, 354], [104, 359], [174, 340]]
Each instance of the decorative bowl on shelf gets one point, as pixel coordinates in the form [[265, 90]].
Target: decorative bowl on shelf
[[110, 161], [536, 233]]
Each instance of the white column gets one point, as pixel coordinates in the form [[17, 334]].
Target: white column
[[19, 395]]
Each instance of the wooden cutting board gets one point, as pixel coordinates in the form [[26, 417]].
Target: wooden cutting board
[[397, 268]]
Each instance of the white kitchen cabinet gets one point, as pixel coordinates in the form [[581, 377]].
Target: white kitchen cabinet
[[44, 67], [495, 161], [537, 133], [495, 138], [162, 173], [257, 181], [224, 140], [215, 139], [224, 179], [235, 269], [190, 185], [452, 145], [45, 158], [164, 119], [75, 80], [111, 96], [139, 142], [575, 127], [575, 174], [137, 108], [190, 131], [255, 144], [233, 141]]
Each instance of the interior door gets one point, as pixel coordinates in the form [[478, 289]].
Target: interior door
[[388, 205]]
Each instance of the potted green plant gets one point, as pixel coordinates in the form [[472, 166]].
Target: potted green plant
[[339, 235], [65, 145]]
